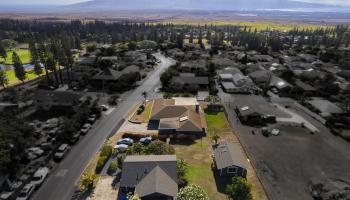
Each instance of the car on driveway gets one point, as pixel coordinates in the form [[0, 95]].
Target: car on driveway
[[61, 152], [39, 176], [85, 128], [121, 147], [127, 141], [26, 192], [146, 140]]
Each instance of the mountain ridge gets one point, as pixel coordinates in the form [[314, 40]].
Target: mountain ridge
[[200, 5]]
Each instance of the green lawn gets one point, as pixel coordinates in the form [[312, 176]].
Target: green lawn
[[216, 120], [23, 54], [12, 77]]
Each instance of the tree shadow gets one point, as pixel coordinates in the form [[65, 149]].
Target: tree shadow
[[221, 181]]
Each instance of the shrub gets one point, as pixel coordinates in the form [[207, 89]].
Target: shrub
[[100, 164], [160, 148], [239, 188], [106, 151], [112, 167], [192, 192]]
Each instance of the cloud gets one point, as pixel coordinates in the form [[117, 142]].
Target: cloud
[[327, 2]]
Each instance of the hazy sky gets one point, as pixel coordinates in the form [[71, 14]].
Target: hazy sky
[[47, 2], [38, 2]]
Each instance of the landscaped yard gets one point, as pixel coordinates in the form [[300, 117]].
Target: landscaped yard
[[198, 156], [145, 115], [24, 55]]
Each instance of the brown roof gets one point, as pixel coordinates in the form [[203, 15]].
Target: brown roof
[[181, 118]]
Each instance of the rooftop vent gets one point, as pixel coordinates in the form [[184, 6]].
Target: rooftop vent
[[183, 118]]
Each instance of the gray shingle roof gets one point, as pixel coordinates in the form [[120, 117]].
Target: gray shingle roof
[[157, 181], [136, 168], [227, 155], [200, 80]]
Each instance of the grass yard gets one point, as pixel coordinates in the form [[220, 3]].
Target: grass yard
[[198, 155], [145, 115], [13, 80], [24, 55]]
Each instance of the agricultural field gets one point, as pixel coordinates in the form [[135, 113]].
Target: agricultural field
[[259, 25], [24, 55]]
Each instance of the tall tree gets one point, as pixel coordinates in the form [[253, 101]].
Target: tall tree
[[3, 52], [37, 69], [239, 188], [18, 67], [3, 78]]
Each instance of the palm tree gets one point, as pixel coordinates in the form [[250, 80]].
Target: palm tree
[[144, 94], [215, 138], [88, 180]]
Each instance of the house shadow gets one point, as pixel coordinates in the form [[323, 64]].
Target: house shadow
[[182, 141], [221, 181]]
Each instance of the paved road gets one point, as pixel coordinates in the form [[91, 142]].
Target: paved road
[[60, 184]]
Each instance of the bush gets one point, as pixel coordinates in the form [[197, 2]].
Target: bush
[[106, 151], [100, 164], [141, 109], [112, 167], [160, 148], [192, 192], [239, 188]]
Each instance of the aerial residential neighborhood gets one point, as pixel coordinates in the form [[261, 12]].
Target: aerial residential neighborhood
[[167, 103]]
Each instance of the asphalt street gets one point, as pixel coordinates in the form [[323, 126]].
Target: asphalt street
[[60, 183]]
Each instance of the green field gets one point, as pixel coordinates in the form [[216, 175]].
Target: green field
[[23, 54], [259, 25], [12, 77]]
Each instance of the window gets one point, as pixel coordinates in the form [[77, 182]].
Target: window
[[232, 170]]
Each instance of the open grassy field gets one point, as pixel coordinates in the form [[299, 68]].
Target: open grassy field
[[259, 25], [23, 54]]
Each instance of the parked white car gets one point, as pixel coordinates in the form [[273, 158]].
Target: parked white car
[[104, 107], [121, 147], [86, 127], [127, 141], [39, 176], [61, 152], [26, 192]]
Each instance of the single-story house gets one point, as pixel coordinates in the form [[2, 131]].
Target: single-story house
[[151, 177], [46, 99], [111, 75], [230, 160], [194, 66], [178, 116], [248, 114], [324, 107], [305, 88], [189, 82]]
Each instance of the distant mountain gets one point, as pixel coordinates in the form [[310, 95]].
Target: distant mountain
[[201, 5]]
